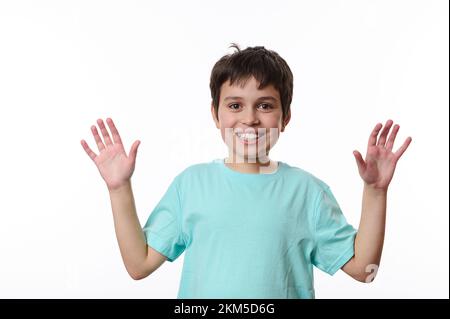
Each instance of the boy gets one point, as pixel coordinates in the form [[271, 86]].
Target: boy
[[251, 227]]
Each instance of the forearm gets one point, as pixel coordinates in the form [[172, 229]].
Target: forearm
[[370, 237], [130, 236]]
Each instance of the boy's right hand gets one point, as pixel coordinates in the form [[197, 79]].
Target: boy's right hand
[[112, 162]]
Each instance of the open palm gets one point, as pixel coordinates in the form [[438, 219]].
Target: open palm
[[379, 165], [115, 167]]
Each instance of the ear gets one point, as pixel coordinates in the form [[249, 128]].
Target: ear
[[286, 121], [213, 113]]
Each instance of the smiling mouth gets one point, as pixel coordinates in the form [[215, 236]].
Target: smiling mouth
[[248, 138]]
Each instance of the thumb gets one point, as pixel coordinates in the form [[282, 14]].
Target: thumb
[[359, 160], [133, 150]]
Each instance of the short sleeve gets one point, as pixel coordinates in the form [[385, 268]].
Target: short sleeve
[[163, 227], [333, 237]]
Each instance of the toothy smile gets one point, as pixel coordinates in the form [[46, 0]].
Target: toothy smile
[[249, 137]]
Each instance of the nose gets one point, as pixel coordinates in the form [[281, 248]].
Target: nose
[[249, 117]]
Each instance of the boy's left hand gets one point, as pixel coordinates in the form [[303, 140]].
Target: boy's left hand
[[378, 168]]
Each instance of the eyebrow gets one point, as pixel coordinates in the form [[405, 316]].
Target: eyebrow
[[260, 98]]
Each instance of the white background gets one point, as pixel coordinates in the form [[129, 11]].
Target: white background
[[147, 64]]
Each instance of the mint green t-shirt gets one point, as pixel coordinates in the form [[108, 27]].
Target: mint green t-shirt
[[249, 235]]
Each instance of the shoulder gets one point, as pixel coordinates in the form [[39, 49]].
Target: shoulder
[[198, 171], [199, 168], [307, 179]]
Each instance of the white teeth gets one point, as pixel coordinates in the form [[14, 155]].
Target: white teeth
[[247, 135]]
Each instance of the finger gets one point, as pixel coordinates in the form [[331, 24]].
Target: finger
[[88, 150], [374, 134], [133, 151], [114, 132], [97, 138], [391, 140], [359, 161], [403, 148], [384, 133], [104, 132]]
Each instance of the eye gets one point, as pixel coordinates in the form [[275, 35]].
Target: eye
[[266, 106], [234, 106]]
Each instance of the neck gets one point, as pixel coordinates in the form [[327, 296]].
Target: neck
[[243, 166]]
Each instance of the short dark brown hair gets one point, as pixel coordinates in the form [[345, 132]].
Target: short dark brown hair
[[265, 65]]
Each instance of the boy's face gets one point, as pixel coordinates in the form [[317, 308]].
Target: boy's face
[[255, 112]]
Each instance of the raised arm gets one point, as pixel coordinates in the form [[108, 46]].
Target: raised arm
[[376, 171], [116, 169]]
